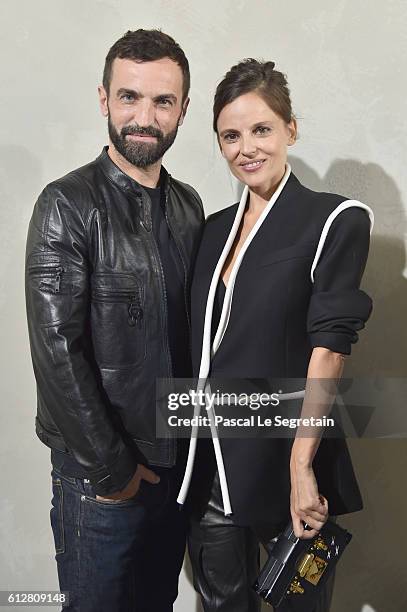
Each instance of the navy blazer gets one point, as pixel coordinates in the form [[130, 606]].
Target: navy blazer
[[278, 315]]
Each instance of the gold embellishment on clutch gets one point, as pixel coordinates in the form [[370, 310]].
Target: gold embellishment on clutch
[[295, 587], [305, 564], [315, 570], [320, 544]]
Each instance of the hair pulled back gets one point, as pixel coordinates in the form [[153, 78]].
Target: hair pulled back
[[251, 75]]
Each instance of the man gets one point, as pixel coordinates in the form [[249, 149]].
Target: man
[[109, 257]]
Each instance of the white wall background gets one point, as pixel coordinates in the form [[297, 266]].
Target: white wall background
[[346, 64]]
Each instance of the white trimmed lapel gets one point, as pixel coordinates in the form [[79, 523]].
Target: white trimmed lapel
[[207, 351]]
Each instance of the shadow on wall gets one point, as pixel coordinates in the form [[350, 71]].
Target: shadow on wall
[[382, 350], [371, 576]]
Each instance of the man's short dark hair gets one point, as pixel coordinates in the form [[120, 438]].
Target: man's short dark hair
[[147, 46]]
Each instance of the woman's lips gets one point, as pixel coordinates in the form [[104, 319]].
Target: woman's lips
[[252, 166]]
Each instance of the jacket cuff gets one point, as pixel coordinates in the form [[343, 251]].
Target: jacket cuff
[[336, 342], [121, 472]]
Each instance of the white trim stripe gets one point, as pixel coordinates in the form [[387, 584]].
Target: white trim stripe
[[207, 353], [331, 219]]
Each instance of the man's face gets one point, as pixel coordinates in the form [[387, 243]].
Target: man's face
[[144, 108]]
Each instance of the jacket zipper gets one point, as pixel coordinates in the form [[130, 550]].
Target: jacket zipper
[[54, 272], [133, 299], [135, 312]]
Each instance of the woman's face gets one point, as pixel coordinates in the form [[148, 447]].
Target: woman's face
[[254, 139]]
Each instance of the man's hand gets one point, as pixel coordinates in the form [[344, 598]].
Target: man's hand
[[307, 505], [142, 473]]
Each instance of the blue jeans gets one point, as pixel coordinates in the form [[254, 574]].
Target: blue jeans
[[118, 556]]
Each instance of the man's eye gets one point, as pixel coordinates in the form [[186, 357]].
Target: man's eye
[[127, 97], [164, 102], [262, 129]]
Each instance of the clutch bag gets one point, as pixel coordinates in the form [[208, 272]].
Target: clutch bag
[[296, 570]]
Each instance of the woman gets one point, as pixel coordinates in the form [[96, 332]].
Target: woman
[[275, 296]]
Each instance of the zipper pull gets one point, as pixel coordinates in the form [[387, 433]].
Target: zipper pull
[[139, 316], [135, 313], [57, 281]]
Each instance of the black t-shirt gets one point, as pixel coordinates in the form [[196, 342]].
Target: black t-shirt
[[178, 332]]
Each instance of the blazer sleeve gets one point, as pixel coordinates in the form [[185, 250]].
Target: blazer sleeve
[[338, 308]]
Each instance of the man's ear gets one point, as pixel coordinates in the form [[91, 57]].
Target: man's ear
[[183, 112], [103, 101]]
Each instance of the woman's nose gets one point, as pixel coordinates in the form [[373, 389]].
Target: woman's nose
[[248, 146]]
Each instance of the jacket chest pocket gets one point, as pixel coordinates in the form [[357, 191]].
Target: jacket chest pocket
[[292, 253], [118, 320]]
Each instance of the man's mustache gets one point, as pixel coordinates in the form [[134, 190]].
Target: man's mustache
[[136, 130]]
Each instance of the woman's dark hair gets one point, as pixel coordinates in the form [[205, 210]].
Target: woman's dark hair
[[250, 75], [147, 46]]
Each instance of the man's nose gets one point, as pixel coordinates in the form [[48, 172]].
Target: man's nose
[[145, 113]]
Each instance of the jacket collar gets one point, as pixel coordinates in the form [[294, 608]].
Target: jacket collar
[[122, 180]]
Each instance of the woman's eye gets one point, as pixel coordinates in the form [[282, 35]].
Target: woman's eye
[[230, 137], [262, 130]]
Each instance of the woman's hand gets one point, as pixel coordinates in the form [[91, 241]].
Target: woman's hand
[[306, 503]]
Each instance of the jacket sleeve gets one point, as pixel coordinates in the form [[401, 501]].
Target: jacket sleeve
[[58, 305], [338, 308]]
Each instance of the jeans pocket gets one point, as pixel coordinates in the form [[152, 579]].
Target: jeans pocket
[[89, 495], [57, 515]]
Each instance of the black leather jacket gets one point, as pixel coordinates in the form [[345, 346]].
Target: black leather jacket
[[97, 319]]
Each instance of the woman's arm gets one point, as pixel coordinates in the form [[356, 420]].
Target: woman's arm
[[337, 311], [324, 370]]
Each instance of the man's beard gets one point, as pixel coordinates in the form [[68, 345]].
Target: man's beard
[[137, 153]]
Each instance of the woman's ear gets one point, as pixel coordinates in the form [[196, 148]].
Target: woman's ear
[[220, 146], [292, 131]]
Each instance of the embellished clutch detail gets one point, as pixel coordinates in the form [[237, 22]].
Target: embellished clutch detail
[[296, 571]]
